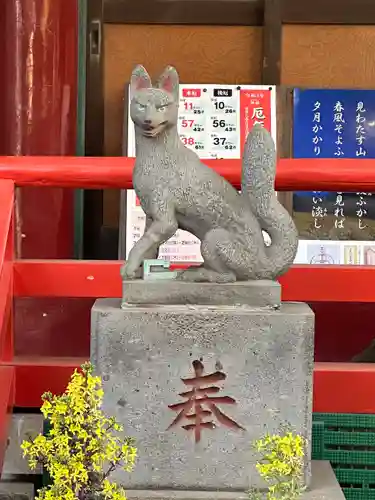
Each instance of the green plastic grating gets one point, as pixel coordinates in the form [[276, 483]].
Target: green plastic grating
[[339, 457], [349, 438], [317, 444], [348, 442], [345, 420], [355, 476], [358, 494]]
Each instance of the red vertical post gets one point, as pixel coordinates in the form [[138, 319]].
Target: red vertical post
[[6, 270], [7, 381], [2, 80], [40, 117], [8, 326], [40, 113]]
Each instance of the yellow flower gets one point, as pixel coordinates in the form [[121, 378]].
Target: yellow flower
[[281, 465], [81, 443]]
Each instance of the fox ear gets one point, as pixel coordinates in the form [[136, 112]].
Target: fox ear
[[140, 79], [169, 81]]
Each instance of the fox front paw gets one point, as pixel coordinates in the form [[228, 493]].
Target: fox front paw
[[129, 273]]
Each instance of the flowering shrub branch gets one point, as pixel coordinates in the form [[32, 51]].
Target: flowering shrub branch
[[281, 466], [83, 446]]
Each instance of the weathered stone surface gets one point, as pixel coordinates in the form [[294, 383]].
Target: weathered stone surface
[[324, 486], [142, 353], [254, 293], [10, 490], [22, 427]]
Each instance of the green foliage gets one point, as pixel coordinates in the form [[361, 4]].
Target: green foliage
[[281, 466], [83, 446]]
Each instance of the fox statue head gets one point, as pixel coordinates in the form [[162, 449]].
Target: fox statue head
[[154, 108]]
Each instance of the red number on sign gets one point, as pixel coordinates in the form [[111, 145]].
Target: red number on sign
[[187, 123], [188, 141]]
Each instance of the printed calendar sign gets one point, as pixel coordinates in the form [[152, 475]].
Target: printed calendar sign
[[214, 121]]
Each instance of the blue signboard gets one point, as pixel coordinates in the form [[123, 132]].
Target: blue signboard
[[330, 123], [334, 123]]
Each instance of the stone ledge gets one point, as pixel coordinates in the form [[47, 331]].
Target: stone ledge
[[260, 293], [324, 486], [22, 426], [10, 490]]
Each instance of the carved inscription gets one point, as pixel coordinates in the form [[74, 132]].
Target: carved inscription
[[200, 410]]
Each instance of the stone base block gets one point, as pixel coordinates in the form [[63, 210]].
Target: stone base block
[[261, 293], [324, 486], [197, 385], [16, 491], [22, 427]]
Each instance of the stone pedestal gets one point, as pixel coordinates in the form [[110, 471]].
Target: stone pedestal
[[196, 385], [261, 293]]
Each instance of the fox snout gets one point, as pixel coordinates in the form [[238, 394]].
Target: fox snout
[[150, 125], [147, 125]]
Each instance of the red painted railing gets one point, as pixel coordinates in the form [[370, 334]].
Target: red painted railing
[[338, 387], [96, 173], [7, 371]]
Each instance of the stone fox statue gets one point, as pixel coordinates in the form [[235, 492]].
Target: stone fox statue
[[176, 190]]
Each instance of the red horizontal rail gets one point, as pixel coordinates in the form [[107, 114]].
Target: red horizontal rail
[[53, 375], [344, 388], [84, 278], [35, 376], [348, 175]]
